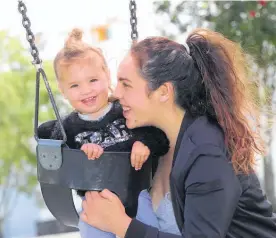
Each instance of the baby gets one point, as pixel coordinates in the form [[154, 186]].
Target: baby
[[97, 123]]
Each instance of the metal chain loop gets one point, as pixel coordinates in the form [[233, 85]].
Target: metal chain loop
[[29, 34], [133, 20], [40, 72]]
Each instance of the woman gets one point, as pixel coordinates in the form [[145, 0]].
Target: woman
[[200, 96]]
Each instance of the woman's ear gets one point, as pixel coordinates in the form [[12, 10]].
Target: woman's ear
[[166, 92]]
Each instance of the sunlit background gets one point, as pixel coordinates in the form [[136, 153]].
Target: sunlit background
[[106, 25]]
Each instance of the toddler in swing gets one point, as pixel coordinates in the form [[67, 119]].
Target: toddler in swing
[[97, 123]]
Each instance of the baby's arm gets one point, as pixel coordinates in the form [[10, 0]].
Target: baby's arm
[[45, 130], [93, 151], [154, 138], [139, 155], [51, 130]]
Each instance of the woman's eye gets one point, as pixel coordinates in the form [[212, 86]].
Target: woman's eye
[[126, 85]]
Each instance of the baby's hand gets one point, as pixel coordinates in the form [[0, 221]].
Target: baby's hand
[[93, 151], [139, 155]]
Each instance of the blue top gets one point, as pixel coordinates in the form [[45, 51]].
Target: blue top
[[163, 218]]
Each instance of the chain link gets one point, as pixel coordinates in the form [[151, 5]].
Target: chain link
[[29, 34], [133, 20], [40, 72]]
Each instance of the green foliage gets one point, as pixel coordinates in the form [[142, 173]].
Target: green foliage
[[17, 99], [256, 34], [250, 23]]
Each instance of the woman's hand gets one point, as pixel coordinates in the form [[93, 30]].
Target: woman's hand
[[105, 211]]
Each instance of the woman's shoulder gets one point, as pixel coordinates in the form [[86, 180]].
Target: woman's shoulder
[[204, 131], [202, 138]]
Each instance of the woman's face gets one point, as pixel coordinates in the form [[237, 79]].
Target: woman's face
[[139, 108]]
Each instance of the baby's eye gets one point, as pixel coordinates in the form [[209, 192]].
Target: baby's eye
[[74, 86], [93, 80]]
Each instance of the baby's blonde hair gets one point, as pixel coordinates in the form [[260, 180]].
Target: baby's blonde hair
[[75, 49]]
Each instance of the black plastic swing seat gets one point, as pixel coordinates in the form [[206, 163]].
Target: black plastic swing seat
[[61, 169]]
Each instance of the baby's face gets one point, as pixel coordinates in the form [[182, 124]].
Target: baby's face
[[85, 84]]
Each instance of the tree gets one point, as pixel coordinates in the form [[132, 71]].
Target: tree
[[253, 25], [17, 157]]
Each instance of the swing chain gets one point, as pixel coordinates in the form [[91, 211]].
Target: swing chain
[[133, 20], [40, 72], [29, 34]]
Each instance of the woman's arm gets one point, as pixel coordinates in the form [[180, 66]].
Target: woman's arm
[[138, 229], [212, 193]]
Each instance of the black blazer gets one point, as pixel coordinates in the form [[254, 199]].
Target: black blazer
[[209, 199]]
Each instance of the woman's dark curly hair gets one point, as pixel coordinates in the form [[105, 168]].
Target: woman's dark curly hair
[[213, 80]]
